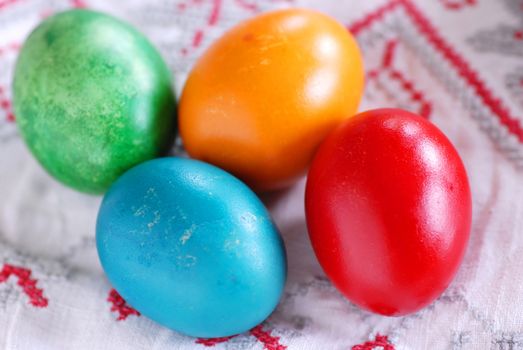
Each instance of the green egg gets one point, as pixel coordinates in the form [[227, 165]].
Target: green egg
[[92, 98]]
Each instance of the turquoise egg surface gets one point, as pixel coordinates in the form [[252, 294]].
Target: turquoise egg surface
[[191, 247]]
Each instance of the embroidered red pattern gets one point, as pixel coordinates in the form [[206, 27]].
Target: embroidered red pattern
[[212, 20], [269, 341], [466, 72], [455, 5], [386, 68], [6, 3], [78, 4], [11, 47], [5, 105], [265, 337], [214, 16], [213, 341], [120, 305], [462, 67], [249, 6], [28, 284], [381, 342], [372, 17]]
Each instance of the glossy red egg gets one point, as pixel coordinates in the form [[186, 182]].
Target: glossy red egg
[[388, 208]]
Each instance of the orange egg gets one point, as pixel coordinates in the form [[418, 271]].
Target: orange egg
[[262, 98]]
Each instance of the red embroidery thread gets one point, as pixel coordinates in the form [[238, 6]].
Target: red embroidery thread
[[120, 305], [211, 20], [78, 4], [459, 64], [213, 17], [415, 95], [390, 50], [28, 284], [5, 104], [464, 70], [380, 341], [215, 12], [269, 341], [249, 6], [368, 20], [213, 341], [11, 47], [6, 3], [197, 39], [455, 5]]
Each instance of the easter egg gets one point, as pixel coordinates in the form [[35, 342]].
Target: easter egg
[[92, 98], [191, 247], [261, 99], [388, 209]]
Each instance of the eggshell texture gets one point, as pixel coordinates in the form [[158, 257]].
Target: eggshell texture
[[262, 98], [191, 247], [388, 208], [92, 98]]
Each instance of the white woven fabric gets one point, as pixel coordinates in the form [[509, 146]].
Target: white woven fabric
[[458, 62]]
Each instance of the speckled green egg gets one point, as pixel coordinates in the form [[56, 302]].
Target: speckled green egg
[[92, 98]]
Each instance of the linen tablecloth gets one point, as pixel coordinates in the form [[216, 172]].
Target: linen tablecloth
[[456, 62]]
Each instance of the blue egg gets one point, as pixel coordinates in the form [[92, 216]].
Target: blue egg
[[191, 247]]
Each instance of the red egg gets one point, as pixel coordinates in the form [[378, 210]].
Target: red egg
[[388, 208]]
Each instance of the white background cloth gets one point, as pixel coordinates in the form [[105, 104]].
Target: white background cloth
[[458, 62]]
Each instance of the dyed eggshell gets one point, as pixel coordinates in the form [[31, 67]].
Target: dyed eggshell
[[191, 247], [388, 209], [261, 99], [92, 98]]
